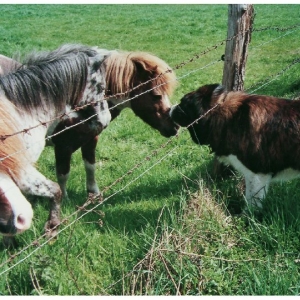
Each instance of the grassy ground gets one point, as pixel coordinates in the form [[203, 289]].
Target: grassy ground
[[174, 230]]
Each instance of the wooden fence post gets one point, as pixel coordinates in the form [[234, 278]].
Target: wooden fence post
[[240, 21]]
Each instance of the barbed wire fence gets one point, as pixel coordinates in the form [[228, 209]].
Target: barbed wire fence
[[97, 200]]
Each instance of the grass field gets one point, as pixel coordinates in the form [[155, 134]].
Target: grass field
[[174, 230]]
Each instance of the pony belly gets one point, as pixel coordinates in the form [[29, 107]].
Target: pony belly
[[257, 184], [286, 174]]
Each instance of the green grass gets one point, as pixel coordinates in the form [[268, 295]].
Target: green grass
[[174, 230]]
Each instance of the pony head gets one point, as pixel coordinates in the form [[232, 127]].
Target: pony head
[[145, 80], [15, 211]]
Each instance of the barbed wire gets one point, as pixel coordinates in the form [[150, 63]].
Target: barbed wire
[[272, 77], [26, 130], [276, 28], [272, 40], [192, 59], [99, 197]]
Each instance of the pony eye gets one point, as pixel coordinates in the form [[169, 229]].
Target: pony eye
[[156, 97]]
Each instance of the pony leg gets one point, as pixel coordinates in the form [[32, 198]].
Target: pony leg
[[62, 164], [88, 152], [34, 183], [256, 188]]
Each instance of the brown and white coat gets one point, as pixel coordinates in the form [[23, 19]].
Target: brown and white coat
[[258, 135]]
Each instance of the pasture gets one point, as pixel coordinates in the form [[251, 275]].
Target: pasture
[[168, 227]]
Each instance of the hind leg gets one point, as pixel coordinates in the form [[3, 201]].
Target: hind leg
[[62, 164], [34, 183], [88, 152]]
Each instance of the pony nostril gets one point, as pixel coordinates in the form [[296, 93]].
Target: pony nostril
[[21, 220]]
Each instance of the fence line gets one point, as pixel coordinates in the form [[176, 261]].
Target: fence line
[[272, 77], [192, 59], [97, 197], [272, 40], [277, 28], [93, 198], [127, 100]]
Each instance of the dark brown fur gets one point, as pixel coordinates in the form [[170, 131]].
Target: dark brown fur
[[262, 131]]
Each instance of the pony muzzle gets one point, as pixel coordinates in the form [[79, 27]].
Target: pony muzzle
[[23, 222]]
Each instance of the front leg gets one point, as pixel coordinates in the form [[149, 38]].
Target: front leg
[[34, 183], [88, 151]]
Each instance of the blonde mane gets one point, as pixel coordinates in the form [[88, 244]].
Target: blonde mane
[[121, 71], [13, 158]]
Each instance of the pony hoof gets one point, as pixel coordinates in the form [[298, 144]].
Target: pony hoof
[[51, 230]]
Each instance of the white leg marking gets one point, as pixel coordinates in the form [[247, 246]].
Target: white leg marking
[[62, 181], [91, 184]]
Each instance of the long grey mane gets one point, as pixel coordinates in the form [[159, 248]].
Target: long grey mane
[[48, 79]]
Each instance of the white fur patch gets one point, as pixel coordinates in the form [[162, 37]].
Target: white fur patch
[[62, 181], [91, 184], [257, 184], [19, 204], [286, 174]]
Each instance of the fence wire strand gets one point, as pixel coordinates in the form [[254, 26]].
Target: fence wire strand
[[83, 210], [176, 67]]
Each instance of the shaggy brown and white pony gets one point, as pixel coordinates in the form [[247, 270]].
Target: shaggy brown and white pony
[[150, 101], [50, 84], [258, 135]]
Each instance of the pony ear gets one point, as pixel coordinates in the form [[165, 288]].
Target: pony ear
[[211, 94], [217, 96]]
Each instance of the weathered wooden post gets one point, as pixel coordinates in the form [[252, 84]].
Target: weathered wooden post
[[240, 21]]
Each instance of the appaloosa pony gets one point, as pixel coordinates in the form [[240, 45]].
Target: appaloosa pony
[[51, 84], [150, 101]]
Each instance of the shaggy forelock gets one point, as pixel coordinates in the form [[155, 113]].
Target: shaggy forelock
[[121, 71]]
